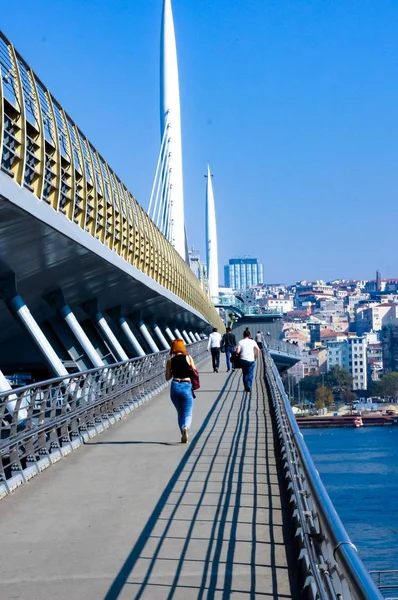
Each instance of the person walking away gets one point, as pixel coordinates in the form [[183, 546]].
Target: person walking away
[[228, 343], [259, 339], [178, 369], [214, 346], [248, 352]]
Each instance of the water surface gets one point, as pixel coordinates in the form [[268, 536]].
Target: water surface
[[359, 468]]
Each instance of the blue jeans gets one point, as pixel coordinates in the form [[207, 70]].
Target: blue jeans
[[182, 398], [228, 352], [247, 372]]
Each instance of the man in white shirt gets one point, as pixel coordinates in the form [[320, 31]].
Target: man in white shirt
[[214, 346], [248, 353]]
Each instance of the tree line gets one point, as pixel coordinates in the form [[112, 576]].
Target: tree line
[[336, 386], [333, 386]]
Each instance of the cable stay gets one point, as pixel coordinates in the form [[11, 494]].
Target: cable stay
[[159, 209]]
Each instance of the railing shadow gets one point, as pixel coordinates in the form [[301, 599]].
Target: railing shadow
[[210, 530]]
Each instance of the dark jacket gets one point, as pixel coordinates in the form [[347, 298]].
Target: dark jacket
[[228, 339]]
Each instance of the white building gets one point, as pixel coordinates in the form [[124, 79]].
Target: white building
[[375, 317], [350, 354], [337, 354], [283, 303], [351, 303], [357, 362]]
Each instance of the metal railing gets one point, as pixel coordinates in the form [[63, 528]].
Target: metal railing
[[42, 422], [387, 582], [330, 561], [246, 309], [281, 346]]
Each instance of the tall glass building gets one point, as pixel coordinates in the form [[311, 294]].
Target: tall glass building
[[242, 273]]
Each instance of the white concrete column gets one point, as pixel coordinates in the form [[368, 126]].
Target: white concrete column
[[23, 314], [110, 336], [12, 400], [57, 301], [186, 337], [197, 336], [191, 335], [148, 338], [161, 337], [91, 308], [170, 334], [178, 334], [80, 335], [4, 385], [125, 327]]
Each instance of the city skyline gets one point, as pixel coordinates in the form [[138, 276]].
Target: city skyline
[[305, 142]]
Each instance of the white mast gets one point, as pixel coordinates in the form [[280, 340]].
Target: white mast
[[211, 238], [170, 116]]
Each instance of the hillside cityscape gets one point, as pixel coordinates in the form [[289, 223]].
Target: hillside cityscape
[[344, 328]]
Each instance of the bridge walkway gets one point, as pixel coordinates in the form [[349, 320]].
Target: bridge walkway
[[136, 514]]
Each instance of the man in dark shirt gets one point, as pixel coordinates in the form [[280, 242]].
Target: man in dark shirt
[[228, 344]]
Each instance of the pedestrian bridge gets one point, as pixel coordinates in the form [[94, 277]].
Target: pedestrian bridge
[[86, 277], [99, 498], [132, 513]]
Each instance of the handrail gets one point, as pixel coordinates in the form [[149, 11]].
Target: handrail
[[344, 568], [380, 575], [281, 346], [41, 422]]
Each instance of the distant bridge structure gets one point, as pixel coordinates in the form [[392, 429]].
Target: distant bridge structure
[[237, 306]]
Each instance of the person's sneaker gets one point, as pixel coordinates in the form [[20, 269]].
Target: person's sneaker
[[184, 435], [216, 370]]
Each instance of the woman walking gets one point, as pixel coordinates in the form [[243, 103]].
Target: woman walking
[[178, 369]]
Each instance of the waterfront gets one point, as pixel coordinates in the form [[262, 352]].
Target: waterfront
[[359, 468]]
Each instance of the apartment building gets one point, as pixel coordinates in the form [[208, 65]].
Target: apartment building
[[351, 355]]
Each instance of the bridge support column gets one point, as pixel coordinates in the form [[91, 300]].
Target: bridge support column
[[161, 337], [147, 336], [57, 301], [197, 336], [178, 334], [170, 334], [125, 327], [186, 337], [91, 309], [191, 335], [4, 385], [12, 400], [18, 308]]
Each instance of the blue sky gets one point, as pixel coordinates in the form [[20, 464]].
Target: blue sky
[[293, 102]]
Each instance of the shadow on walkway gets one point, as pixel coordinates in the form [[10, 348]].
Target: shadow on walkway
[[216, 531]]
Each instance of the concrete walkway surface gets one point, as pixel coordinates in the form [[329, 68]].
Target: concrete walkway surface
[[136, 514]]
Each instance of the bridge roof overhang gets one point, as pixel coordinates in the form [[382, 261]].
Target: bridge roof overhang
[[46, 251]]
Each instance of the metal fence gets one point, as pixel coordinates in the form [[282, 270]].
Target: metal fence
[[41, 423], [329, 560], [387, 582], [281, 346]]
